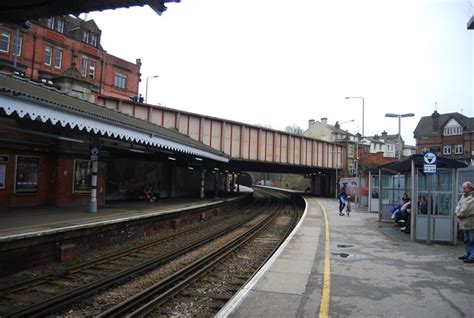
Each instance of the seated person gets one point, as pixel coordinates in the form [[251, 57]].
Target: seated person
[[150, 193], [422, 205], [407, 219], [398, 212]]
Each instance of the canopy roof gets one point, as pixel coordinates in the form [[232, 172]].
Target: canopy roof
[[37, 102], [404, 164]]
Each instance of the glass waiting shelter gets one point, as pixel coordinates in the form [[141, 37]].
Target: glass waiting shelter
[[434, 195]]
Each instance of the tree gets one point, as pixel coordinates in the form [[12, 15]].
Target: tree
[[294, 129]]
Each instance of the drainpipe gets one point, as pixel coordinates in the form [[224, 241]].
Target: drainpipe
[[33, 57]]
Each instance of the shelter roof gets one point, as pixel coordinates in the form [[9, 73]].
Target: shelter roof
[[404, 164]]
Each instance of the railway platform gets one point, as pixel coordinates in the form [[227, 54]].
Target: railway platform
[[356, 267], [26, 222]]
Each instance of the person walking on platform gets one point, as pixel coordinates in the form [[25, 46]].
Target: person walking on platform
[[465, 214], [342, 198]]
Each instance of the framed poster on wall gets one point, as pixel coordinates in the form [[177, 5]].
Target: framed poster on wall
[[27, 175], [82, 176]]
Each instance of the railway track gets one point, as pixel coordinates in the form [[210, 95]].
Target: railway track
[[57, 293], [203, 287]]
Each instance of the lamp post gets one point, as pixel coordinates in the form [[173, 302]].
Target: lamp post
[[400, 116], [146, 89], [361, 97]]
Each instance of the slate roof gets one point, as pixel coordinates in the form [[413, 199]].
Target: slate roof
[[425, 125], [37, 92]]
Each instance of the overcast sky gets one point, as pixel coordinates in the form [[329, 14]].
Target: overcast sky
[[277, 63]]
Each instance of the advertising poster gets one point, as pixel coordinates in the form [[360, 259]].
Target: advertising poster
[[82, 176], [27, 174]]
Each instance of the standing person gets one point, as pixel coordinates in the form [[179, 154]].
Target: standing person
[[342, 198], [465, 214]]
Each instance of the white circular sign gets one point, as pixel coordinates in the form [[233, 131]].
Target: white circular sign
[[429, 158]]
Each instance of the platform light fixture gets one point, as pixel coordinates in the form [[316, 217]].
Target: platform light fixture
[[136, 150], [70, 139], [400, 116], [146, 89], [359, 97]]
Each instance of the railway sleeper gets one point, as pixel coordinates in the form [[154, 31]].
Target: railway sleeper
[[47, 289], [65, 283], [94, 272], [213, 296]]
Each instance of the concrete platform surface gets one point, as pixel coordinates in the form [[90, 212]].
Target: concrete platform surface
[[374, 271], [23, 222]]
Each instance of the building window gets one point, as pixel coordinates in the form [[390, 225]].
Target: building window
[[58, 57], [94, 39], [425, 149], [48, 55], [446, 149], [50, 23], [17, 46], [5, 42], [120, 79], [390, 148], [88, 68], [449, 131], [60, 26], [92, 69], [85, 36], [458, 149], [83, 66]]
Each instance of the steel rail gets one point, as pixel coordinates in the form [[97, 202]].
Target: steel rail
[[84, 291], [159, 293]]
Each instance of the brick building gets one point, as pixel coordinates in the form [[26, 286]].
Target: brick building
[[449, 135], [46, 49]]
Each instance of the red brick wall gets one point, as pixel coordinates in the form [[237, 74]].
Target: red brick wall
[[55, 182], [32, 59], [439, 141]]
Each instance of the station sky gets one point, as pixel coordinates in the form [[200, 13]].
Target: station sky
[[278, 63]]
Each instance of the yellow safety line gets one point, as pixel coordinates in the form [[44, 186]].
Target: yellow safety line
[[326, 292]]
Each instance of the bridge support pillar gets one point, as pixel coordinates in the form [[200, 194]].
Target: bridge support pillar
[[216, 185], [314, 184], [203, 179], [238, 182], [173, 181]]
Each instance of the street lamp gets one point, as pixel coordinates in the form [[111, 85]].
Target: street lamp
[[400, 116], [146, 90], [349, 97]]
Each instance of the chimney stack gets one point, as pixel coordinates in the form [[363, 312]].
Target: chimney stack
[[435, 120]]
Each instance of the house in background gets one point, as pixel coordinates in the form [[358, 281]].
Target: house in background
[[449, 135], [372, 150], [65, 51]]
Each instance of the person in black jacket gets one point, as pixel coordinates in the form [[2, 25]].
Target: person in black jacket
[[342, 198]]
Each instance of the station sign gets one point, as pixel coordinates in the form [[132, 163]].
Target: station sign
[[94, 153], [430, 162]]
